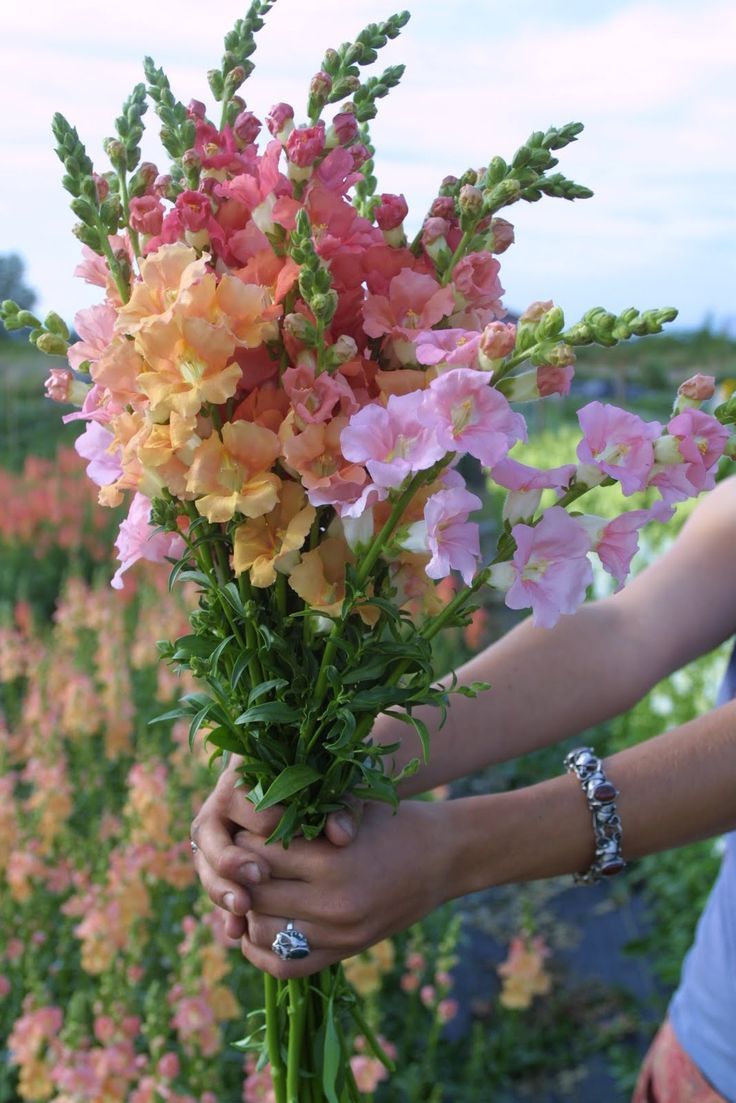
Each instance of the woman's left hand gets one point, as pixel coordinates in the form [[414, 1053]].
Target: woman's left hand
[[345, 899]]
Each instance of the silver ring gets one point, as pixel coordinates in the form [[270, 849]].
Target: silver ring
[[291, 944], [194, 846]]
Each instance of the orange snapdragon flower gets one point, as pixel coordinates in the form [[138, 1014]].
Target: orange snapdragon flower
[[164, 275], [262, 545], [320, 579], [232, 473], [189, 362]]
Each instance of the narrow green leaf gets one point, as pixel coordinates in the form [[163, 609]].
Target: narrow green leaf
[[197, 723], [241, 664], [265, 687], [194, 645], [290, 781], [271, 712], [331, 1056], [217, 653]]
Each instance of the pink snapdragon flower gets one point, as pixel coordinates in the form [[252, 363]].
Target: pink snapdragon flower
[[414, 302], [701, 440], [616, 542], [95, 327], [453, 540], [305, 143], [146, 214], [550, 570], [497, 340], [448, 346], [391, 211], [476, 283], [526, 485], [467, 415], [698, 388], [618, 443], [392, 441], [137, 539], [94, 445]]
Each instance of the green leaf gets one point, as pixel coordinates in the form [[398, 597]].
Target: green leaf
[[264, 687], [271, 712], [241, 664], [223, 738], [473, 689], [217, 653], [331, 1055], [232, 596], [193, 645], [172, 714], [379, 698], [290, 781], [197, 722]]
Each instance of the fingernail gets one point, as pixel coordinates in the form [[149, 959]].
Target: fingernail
[[346, 822], [250, 872], [229, 901]]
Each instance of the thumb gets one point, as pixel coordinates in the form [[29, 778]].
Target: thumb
[[342, 827]]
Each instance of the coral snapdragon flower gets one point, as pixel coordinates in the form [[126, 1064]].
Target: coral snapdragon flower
[[231, 474]]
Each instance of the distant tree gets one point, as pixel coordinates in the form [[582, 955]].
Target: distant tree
[[13, 285]]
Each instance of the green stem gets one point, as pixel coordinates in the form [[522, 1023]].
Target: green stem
[[125, 200], [273, 1036], [115, 271], [462, 246], [297, 1015]]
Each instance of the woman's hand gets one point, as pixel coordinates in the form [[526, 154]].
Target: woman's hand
[[228, 874], [344, 899]]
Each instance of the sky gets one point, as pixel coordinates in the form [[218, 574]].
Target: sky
[[652, 80]]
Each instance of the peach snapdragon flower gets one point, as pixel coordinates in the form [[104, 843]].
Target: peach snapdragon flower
[[232, 473], [264, 544]]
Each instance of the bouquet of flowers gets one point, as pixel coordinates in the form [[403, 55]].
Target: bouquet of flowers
[[283, 386]]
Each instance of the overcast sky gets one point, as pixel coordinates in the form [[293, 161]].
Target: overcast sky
[[653, 81]]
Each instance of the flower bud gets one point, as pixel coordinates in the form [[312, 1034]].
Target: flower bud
[[448, 185], [191, 163], [553, 379], [320, 87], [535, 312], [501, 235], [146, 214], [345, 127], [497, 341], [391, 211], [324, 305], [143, 179], [246, 127], [299, 327], [57, 386], [234, 79], [280, 120], [503, 194], [360, 154], [162, 186], [470, 201], [698, 388], [196, 110], [442, 207], [551, 323], [102, 186], [344, 349], [56, 324], [115, 150], [52, 344]]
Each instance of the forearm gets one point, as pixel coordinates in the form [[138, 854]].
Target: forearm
[[546, 684], [674, 789]]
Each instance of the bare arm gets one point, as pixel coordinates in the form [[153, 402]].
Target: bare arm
[[547, 684]]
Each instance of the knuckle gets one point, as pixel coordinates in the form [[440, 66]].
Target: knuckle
[[259, 931]]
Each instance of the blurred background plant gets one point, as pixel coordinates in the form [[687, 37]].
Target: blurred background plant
[[116, 981]]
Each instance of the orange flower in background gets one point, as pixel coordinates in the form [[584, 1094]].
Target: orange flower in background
[[365, 971], [233, 474], [523, 972], [264, 544]]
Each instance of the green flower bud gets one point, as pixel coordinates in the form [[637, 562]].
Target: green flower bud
[[115, 150], [55, 324], [25, 318], [52, 344], [324, 306], [502, 195], [551, 323]]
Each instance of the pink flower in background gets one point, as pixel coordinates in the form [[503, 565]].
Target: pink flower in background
[[368, 1072], [391, 441], [526, 485], [453, 541], [618, 443], [469, 416], [94, 445], [550, 571], [137, 540]]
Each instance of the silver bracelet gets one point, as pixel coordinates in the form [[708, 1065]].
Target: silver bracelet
[[601, 796]]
